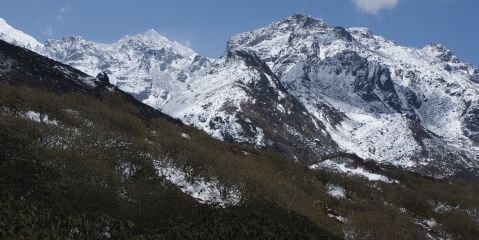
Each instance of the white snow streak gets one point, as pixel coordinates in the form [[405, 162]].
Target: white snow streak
[[354, 171], [205, 191]]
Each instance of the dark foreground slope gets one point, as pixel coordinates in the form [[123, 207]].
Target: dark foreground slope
[[78, 161]]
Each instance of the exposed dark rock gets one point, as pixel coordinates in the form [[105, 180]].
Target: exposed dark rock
[[412, 98], [475, 76], [366, 82], [287, 126], [305, 21], [448, 68], [343, 34], [198, 63], [445, 54], [103, 78], [471, 122], [182, 76]]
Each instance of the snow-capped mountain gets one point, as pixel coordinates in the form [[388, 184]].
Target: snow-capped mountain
[[414, 108], [148, 65], [304, 88]]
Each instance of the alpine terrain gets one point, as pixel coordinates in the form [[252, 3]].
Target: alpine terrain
[[300, 130], [304, 88]]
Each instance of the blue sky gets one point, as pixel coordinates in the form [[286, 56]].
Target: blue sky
[[206, 25]]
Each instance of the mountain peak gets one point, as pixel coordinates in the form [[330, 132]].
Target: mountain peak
[[440, 51], [278, 34], [154, 39], [150, 36], [74, 39], [437, 47], [361, 31], [298, 16], [304, 21], [302, 17], [151, 32]]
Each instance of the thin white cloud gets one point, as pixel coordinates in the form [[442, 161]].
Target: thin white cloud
[[187, 43], [375, 6], [59, 20], [62, 13], [48, 31]]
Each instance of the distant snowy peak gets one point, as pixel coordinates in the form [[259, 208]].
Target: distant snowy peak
[[17, 37], [148, 43], [147, 65], [153, 39]]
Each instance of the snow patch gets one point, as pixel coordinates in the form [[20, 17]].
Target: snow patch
[[203, 190], [354, 171], [335, 191], [186, 136], [40, 118], [384, 138]]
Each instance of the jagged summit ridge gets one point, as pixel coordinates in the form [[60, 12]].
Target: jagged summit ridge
[[153, 39]]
